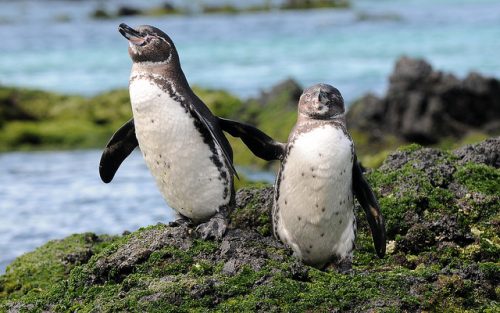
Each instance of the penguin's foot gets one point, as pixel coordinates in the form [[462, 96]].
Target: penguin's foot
[[345, 267], [342, 266], [179, 221], [215, 228]]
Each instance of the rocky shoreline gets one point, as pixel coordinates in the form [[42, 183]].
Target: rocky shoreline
[[424, 105], [442, 213]]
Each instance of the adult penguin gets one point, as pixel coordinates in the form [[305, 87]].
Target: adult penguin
[[180, 140]]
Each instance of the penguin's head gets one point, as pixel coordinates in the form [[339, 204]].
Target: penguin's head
[[148, 44], [321, 101]]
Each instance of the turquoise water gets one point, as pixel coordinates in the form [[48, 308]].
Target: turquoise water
[[354, 49]]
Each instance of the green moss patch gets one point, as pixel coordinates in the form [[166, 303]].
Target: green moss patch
[[479, 178], [38, 271]]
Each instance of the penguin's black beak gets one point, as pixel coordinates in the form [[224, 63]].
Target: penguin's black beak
[[131, 34]]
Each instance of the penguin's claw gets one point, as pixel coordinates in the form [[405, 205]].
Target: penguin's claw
[[215, 228], [341, 266], [179, 222]]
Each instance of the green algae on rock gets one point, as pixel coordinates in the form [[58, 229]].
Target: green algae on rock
[[443, 254], [35, 120], [38, 120], [38, 271]]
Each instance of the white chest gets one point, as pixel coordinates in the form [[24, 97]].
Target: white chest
[[175, 153], [313, 209]]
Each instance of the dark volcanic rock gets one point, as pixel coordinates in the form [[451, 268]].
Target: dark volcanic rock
[[433, 162], [423, 105], [487, 152], [128, 11], [138, 249]]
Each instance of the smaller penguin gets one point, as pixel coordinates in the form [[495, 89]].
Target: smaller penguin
[[313, 210]]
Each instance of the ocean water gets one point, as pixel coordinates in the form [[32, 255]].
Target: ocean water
[[54, 45], [50, 195]]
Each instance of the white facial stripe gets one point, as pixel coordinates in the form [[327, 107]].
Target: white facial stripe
[[134, 48], [150, 63]]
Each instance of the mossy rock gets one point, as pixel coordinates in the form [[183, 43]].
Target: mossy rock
[[34, 119], [38, 271], [38, 120], [442, 214]]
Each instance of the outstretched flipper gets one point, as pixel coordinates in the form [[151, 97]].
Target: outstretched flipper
[[369, 203], [119, 147], [209, 121], [257, 141]]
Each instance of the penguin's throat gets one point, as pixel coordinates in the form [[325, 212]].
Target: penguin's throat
[[154, 68], [165, 72], [304, 117]]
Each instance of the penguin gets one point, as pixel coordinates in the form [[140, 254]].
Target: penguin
[[180, 139], [313, 209]]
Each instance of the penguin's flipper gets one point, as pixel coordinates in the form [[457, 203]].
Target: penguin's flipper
[[257, 141], [200, 110], [366, 198], [121, 144]]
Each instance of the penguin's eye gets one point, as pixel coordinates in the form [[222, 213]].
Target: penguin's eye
[[156, 40], [150, 38], [308, 96]]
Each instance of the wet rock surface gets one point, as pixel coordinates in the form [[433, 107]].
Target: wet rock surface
[[442, 215], [424, 105], [253, 210]]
